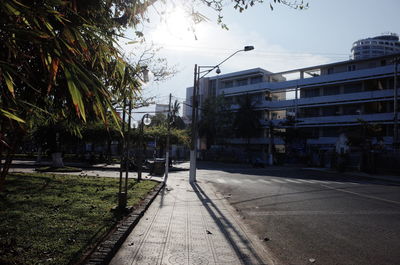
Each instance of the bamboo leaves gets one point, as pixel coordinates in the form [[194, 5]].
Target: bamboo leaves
[[75, 95], [11, 116], [9, 82]]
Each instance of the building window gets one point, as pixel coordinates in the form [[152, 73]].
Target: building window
[[329, 131], [352, 88], [330, 71], [331, 90], [256, 79], [353, 66], [351, 109], [310, 92], [309, 112], [228, 84], [330, 111], [242, 82]]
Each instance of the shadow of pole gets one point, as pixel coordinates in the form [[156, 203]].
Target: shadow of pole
[[162, 194], [223, 224]]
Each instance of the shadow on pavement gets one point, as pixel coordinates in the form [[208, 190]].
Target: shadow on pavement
[[295, 172], [224, 225]]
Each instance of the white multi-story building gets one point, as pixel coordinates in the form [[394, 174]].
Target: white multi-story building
[[324, 99], [376, 46], [162, 108]]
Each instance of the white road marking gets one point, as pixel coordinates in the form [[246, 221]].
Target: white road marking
[[264, 181], [249, 180], [292, 180], [234, 181], [308, 181], [362, 195], [277, 181]]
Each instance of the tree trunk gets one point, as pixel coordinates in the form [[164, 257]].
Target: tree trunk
[[6, 165], [57, 160], [39, 155]]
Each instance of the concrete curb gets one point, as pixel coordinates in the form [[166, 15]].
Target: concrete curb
[[107, 249]]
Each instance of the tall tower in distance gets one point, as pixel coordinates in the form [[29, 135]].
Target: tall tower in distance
[[386, 43]]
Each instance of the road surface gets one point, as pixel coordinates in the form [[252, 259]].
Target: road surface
[[307, 217]]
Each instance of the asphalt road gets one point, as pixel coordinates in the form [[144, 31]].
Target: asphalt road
[[311, 217]]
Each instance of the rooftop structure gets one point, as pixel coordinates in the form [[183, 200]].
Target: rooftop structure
[[376, 46]]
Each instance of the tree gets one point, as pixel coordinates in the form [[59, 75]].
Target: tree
[[246, 123], [291, 134], [160, 133], [176, 120], [59, 59], [363, 136], [216, 120]]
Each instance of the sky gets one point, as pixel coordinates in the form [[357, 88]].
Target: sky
[[284, 38]]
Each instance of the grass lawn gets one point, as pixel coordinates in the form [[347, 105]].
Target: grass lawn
[[52, 219], [58, 169]]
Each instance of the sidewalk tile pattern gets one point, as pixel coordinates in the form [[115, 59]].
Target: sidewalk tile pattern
[[187, 225]]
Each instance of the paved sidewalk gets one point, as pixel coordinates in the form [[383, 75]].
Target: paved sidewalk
[[190, 225]]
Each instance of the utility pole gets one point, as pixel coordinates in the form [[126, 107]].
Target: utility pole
[[167, 145], [122, 196], [192, 173], [127, 160], [395, 106]]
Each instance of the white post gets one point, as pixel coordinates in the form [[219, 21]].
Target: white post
[[167, 145], [192, 172]]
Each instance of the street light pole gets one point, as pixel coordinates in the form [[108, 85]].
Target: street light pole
[[169, 116], [145, 121], [192, 173], [195, 104], [122, 196], [395, 106]]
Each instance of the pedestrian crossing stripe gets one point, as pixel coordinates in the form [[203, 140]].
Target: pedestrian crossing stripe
[[264, 181], [278, 181], [293, 181]]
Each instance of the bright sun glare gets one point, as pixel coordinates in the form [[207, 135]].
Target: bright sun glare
[[176, 30]]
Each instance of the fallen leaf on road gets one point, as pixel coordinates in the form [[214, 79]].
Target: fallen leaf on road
[[208, 232], [312, 260]]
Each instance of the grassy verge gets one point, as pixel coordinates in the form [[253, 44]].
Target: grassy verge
[[51, 219], [58, 169]]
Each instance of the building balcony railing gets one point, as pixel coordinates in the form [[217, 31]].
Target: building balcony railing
[[311, 81], [259, 140], [351, 97], [346, 119]]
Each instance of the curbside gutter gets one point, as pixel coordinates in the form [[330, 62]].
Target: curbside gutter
[[106, 250]]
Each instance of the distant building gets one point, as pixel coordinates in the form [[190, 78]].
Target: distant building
[[325, 100], [187, 106], [162, 108], [376, 46]]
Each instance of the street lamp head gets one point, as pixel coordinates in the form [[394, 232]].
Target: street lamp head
[[218, 71], [135, 124], [248, 48], [147, 120]]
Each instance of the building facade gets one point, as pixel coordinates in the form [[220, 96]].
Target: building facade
[[376, 46], [162, 108], [325, 101]]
